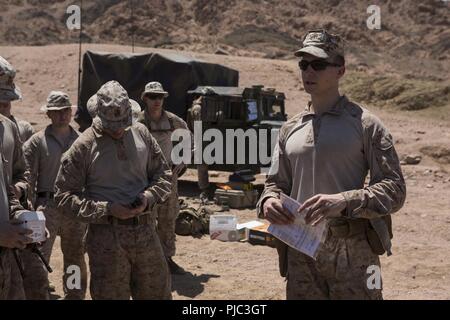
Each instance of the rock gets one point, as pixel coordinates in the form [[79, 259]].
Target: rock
[[420, 132], [429, 186], [412, 159], [221, 52]]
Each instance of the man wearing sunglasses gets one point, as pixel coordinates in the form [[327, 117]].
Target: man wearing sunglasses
[[161, 125], [324, 155]]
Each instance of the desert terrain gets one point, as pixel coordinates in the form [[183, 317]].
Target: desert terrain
[[400, 72], [420, 265]]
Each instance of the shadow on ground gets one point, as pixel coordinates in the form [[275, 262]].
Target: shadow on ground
[[190, 285]]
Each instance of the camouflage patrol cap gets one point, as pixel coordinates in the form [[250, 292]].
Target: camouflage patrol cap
[[154, 88], [92, 107], [8, 90], [113, 106], [321, 44], [57, 100]]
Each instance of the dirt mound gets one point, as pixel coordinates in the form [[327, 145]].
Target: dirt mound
[[248, 27], [399, 91], [439, 153]]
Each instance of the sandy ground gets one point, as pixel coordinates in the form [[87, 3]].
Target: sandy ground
[[420, 265]]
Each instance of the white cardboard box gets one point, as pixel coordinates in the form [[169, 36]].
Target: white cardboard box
[[223, 227], [243, 228], [34, 220]]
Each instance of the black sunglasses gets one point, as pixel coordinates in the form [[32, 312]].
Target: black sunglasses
[[317, 65], [155, 96]]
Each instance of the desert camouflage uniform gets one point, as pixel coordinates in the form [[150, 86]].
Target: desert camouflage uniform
[[167, 212], [8, 207], [125, 256], [14, 165], [195, 114], [26, 130], [43, 154], [327, 154]]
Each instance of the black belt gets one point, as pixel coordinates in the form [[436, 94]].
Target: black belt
[[139, 220], [46, 195], [348, 228]]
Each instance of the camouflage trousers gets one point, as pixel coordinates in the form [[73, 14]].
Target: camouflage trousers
[[127, 260], [340, 271], [6, 261], [16, 290], [166, 214], [72, 234]]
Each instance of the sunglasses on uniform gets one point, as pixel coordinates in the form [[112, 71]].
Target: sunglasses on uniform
[[155, 96], [317, 65]]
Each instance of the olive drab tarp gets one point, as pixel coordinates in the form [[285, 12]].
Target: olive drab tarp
[[178, 74]]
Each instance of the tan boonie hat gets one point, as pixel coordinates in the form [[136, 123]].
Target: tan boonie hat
[[8, 90], [154, 88], [321, 44], [113, 106], [57, 100]]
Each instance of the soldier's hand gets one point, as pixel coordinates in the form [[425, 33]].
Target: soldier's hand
[[274, 212], [13, 235], [40, 204], [122, 212], [144, 203], [323, 206]]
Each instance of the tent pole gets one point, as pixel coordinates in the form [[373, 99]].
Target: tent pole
[[79, 51], [132, 26]]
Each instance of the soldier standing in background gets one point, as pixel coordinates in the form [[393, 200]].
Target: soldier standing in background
[[43, 152], [195, 114], [161, 125]]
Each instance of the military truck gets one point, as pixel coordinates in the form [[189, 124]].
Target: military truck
[[177, 74], [227, 106], [248, 119]]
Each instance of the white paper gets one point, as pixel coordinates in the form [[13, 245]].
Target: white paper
[[249, 225], [300, 236]]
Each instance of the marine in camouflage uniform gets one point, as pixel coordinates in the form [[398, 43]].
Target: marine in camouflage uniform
[[43, 152], [195, 114], [111, 178], [161, 125], [14, 164], [11, 236], [322, 159]]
